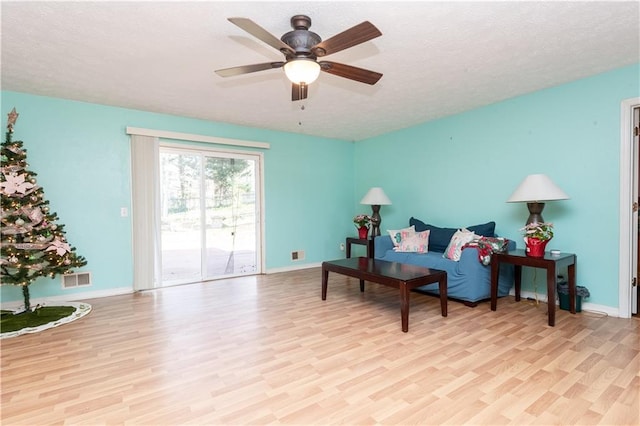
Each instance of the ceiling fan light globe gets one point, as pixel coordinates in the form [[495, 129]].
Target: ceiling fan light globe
[[302, 70]]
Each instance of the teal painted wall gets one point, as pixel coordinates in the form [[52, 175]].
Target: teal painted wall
[[81, 154], [459, 170]]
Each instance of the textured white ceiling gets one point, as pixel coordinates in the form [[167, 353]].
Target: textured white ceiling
[[438, 58]]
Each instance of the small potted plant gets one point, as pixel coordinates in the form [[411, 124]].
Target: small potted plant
[[536, 237], [361, 222]]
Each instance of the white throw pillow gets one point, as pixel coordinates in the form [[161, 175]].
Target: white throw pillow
[[395, 234], [459, 239], [414, 242]]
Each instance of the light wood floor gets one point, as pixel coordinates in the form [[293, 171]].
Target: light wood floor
[[267, 349]]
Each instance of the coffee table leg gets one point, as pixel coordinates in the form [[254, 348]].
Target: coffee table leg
[[361, 286], [325, 279], [443, 295], [404, 306]]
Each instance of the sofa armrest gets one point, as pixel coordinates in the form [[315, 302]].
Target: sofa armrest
[[469, 262], [381, 245], [470, 255]]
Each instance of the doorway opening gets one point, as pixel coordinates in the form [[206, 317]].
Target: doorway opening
[[629, 205], [635, 295]]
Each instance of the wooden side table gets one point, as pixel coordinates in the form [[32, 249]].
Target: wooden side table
[[551, 263], [368, 242]]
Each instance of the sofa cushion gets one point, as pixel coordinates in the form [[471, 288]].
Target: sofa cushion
[[414, 242], [440, 237], [431, 259], [395, 234], [485, 230]]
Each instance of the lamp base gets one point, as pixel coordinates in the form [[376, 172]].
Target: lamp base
[[535, 213], [375, 221]]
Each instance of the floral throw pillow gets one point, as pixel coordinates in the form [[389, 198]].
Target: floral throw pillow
[[459, 239], [414, 242], [396, 235]]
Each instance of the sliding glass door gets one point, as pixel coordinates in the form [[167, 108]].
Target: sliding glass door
[[210, 214]]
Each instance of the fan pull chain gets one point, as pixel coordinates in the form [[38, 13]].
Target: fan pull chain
[[300, 121]]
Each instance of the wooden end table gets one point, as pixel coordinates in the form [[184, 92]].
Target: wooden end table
[[368, 242], [550, 262], [393, 274]]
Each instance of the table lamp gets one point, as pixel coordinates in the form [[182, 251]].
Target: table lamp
[[534, 190], [376, 198]]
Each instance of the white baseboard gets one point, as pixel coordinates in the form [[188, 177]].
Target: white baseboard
[[587, 307], [294, 268], [71, 297]]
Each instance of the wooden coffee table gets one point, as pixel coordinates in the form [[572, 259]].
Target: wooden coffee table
[[393, 274]]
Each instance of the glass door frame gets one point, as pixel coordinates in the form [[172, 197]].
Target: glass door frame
[[206, 151]]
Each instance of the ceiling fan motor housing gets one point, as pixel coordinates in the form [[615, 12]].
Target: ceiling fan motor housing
[[301, 39]]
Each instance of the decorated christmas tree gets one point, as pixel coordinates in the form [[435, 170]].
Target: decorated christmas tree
[[33, 244]]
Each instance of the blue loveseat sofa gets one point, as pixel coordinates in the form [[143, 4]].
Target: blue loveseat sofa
[[468, 280]]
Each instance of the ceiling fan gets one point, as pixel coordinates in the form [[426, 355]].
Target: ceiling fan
[[302, 48]]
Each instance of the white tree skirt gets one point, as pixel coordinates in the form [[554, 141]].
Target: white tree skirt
[[81, 309]]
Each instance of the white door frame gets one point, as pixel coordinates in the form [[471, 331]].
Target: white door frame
[[628, 219]]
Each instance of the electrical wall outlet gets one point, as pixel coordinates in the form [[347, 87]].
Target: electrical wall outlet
[[297, 255], [341, 246]]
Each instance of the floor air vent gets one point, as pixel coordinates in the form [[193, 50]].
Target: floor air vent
[[81, 279]]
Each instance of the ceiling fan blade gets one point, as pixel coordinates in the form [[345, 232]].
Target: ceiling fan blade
[[260, 33], [246, 69], [299, 91], [353, 73], [348, 38]]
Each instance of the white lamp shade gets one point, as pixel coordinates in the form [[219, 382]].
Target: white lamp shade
[[537, 187], [302, 70], [376, 196]]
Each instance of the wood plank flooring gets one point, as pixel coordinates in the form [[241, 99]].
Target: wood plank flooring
[[268, 350]]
